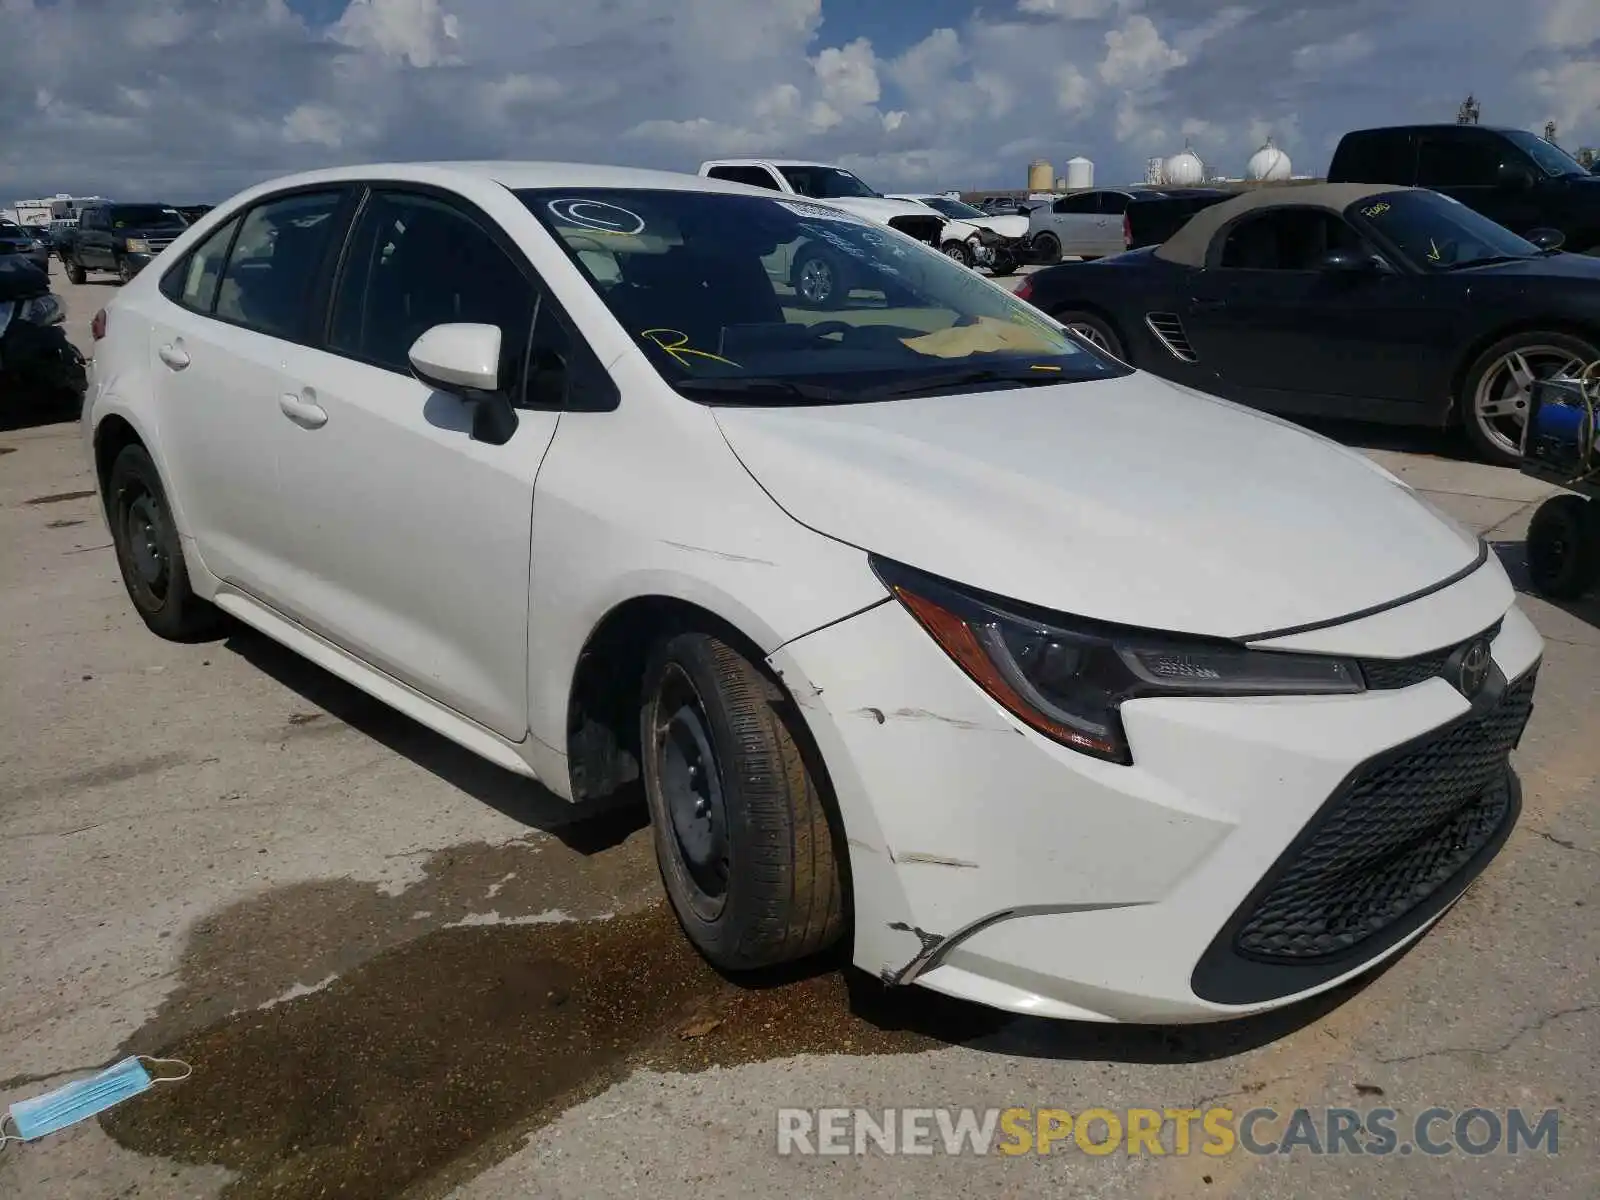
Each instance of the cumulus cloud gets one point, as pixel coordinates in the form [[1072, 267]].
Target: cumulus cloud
[[193, 99]]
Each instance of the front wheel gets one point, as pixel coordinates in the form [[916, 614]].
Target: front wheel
[[76, 273], [1498, 386], [957, 251], [1564, 547], [149, 553], [125, 271], [742, 836], [818, 279]]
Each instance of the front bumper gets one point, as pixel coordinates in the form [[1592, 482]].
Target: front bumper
[[1014, 251], [990, 863], [137, 262]]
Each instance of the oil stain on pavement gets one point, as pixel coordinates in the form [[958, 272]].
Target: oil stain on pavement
[[434, 1050]]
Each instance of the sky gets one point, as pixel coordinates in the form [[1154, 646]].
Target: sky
[[189, 101]]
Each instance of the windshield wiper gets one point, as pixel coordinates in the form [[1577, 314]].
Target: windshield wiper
[[763, 389], [922, 384], [1485, 262]]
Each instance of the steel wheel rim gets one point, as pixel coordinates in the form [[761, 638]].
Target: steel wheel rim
[[1500, 403], [144, 525], [816, 280], [1091, 335], [956, 253], [689, 779]]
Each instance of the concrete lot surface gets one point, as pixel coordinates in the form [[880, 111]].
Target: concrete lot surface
[[398, 971]]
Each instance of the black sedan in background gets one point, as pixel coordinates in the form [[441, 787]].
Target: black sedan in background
[[30, 243], [1345, 300]]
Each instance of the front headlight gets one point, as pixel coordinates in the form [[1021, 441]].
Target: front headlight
[[138, 246], [1068, 678]]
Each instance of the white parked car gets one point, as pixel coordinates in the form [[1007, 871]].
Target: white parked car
[[818, 274], [1058, 687], [1082, 225], [1000, 241]]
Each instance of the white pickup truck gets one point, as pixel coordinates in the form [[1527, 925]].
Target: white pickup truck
[[814, 277]]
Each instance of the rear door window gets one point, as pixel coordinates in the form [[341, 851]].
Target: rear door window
[[753, 176], [1086, 203], [1113, 203], [1376, 156], [274, 263], [193, 282], [1459, 158]]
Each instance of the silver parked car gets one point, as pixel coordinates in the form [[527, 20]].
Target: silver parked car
[[1082, 225]]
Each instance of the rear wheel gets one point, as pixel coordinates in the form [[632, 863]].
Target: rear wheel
[[743, 839], [1095, 330], [1048, 247], [1564, 547], [1498, 387], [149, 552]]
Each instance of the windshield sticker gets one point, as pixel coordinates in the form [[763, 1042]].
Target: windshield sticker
[[597, 215], [820, 212], [1375, 210], [984, 336], [676, 343]]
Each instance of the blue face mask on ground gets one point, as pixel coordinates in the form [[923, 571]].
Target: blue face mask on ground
[[83, 1098]]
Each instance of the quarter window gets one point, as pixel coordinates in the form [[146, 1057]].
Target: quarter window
[[416, 262], [1114, 203], [275, 260], [193, 284], [754, 176]]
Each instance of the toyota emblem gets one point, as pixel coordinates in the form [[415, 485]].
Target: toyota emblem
[[1473, 672]]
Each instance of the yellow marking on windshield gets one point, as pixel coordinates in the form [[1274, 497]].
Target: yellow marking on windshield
[[680, 349], [1042, 367], [1433, 251]]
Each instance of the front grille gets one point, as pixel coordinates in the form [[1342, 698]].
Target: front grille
[[1389, 674], [157, 245], [924, 229], [1169, 332], [1398, 830]]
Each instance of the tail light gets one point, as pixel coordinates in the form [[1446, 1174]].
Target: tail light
[[1127, 232], [1024, 290], [97, 327]]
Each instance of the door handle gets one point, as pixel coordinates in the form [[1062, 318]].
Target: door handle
[[1207, 304], [303, 411], [174, 355]]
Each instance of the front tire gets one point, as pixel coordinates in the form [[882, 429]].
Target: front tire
[[818, 279], [1498, 386], [149, 552], [76, 274], [1564, 547], [125, 271], [957, 252], [742, 836]]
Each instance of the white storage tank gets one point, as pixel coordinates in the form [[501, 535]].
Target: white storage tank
[[1183, 169], [1041, 174], [1269, 164], [1080, 173]]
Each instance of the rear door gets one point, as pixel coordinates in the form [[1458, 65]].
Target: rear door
[[233, 308], [1074, 221], [1113, 206], [412, 538]]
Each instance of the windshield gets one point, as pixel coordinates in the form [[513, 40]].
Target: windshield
[[1551, 159], [958, 209], [146, 216], [1439, 233], [825, 183], [751, 300]]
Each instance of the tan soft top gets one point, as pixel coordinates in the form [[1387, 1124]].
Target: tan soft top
[[1189, 245]]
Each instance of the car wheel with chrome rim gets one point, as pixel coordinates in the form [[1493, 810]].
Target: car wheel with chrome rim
[[1095, 330], [1498, 387]]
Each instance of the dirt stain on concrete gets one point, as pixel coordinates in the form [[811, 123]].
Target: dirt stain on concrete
[[443, 1039]]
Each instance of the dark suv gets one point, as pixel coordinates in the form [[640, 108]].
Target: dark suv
[[121, 238], [1509, 175]]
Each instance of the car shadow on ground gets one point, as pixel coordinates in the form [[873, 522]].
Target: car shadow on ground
[[34, 410], [588, 828], [1408, 439], [1513, 556]]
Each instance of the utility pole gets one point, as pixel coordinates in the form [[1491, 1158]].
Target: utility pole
[[1467, 114], [1550, 132]]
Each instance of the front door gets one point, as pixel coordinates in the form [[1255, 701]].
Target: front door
[[412, 538], [217, 353], [1464, 163], [1282, 333]]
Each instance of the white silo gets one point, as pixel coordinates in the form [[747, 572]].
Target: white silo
[[1041, 174], [1269, 165], [1080, 173], [1183, 169]]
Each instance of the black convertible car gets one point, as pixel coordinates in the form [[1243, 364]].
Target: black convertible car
[[1345, 300]]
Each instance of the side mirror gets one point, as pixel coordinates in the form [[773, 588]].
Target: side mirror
[[1547, 239], [1346, 262], [1514, 177], [464, 360]]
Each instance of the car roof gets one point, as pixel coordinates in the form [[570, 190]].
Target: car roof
[[1434, 125], [1188, 246]]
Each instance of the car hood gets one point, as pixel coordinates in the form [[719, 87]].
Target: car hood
[[1548, 266], [1006, 227], [881, 209], [1127, 500]]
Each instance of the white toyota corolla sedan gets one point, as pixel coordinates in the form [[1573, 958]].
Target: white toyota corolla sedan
[[1046, 683]]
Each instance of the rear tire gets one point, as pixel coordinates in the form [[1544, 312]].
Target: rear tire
[[742, 835], [1048, 247], [1564, 547], [150, 553], [1095, 330], [1494, 393]]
